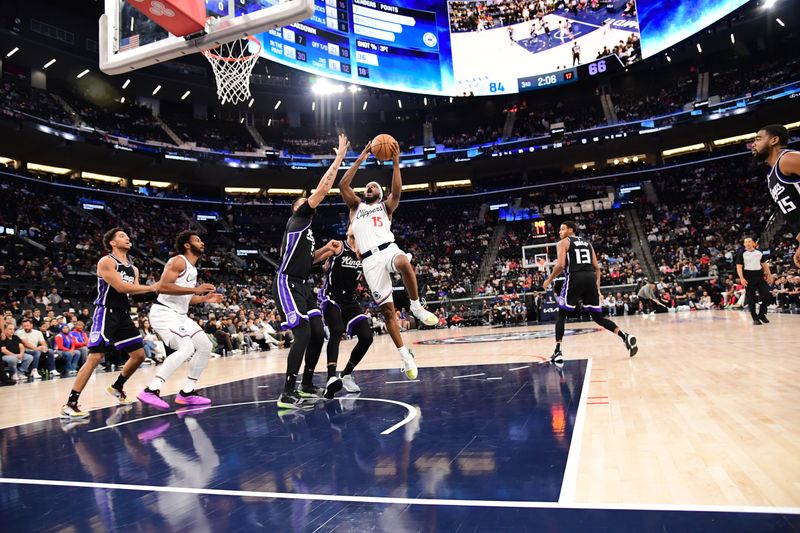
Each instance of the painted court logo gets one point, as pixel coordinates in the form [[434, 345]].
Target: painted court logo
[[510, 336]]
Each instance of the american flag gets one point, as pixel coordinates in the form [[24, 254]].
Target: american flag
[[126, 43]]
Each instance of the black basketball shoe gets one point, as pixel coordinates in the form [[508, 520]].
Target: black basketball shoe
[[630, 344]]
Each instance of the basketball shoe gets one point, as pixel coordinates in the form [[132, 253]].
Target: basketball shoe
[[333, 386], [423, 315], [409, 365], [122, 399], [350, 384], [630, 344], [557, 358]]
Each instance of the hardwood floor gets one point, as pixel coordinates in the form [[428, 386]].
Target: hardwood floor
[[708, 412]]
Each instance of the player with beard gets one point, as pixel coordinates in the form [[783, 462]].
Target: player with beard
[[371, 220], [112, 325], [168, 317], [783, 179]]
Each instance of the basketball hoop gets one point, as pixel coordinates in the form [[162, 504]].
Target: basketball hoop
[[232, 63]]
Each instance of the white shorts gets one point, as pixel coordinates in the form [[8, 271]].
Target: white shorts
[[172, 326], [377, 273]]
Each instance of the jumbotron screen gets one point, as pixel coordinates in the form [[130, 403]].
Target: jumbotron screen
[[482, 47]]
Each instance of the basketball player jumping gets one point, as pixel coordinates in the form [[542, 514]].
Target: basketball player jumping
[[783, 179], [343, 313], [577, 259], [294, 293], [168, 316], [371, 221], [111, 322]]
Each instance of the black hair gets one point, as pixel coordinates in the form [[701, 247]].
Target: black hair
[[182, 239], [109, 236], [779, 131], [571, 224]]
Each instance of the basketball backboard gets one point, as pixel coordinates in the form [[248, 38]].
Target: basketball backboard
[[540, 256], [129, 40]]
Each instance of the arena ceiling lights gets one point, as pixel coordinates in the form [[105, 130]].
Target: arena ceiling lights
[[734, 139], [324, 87], [623, 159], [672, 152], [453, 184], [48, 169], [154, 184], [281, 191], [243, 190], [102, 177]]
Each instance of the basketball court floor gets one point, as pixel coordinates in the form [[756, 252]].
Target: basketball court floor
[[699, 431]]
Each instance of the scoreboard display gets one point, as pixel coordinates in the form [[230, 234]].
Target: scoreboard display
[[464, 47], [385, 44]]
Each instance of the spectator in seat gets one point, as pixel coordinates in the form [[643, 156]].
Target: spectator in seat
[[81, 342], [14, 353], [37, 318], [35, 345], [54, 298], [50, 340], [86, 317], [65, 348]]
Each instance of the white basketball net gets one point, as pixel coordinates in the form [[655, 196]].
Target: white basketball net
[[232, 64]]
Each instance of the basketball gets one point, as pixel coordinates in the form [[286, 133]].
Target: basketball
[[382, 146]]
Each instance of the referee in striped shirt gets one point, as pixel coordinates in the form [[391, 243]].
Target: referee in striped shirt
[[752, 269]]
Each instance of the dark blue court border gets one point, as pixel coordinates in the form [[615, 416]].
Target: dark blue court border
[[479, 439]]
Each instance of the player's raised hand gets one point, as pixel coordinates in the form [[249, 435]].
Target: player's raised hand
[[365, 152], [395, 153], [205, 288], [344, 144]]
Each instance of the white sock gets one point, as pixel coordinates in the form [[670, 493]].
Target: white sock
[[156, 383], [415, 305], [403, 350], [188, 385]]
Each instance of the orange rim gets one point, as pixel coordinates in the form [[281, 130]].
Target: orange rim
[[208, 53]]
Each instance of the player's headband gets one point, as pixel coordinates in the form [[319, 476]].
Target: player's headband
[[380, 189]]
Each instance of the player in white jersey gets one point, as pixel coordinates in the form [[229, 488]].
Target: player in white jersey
[[371, 223], [168, 317]]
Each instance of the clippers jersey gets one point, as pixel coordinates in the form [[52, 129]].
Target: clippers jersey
[[107, 296], [343, 273], [785, 190], [371, 226], [579, 256], [188, 278], [297, 247]]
